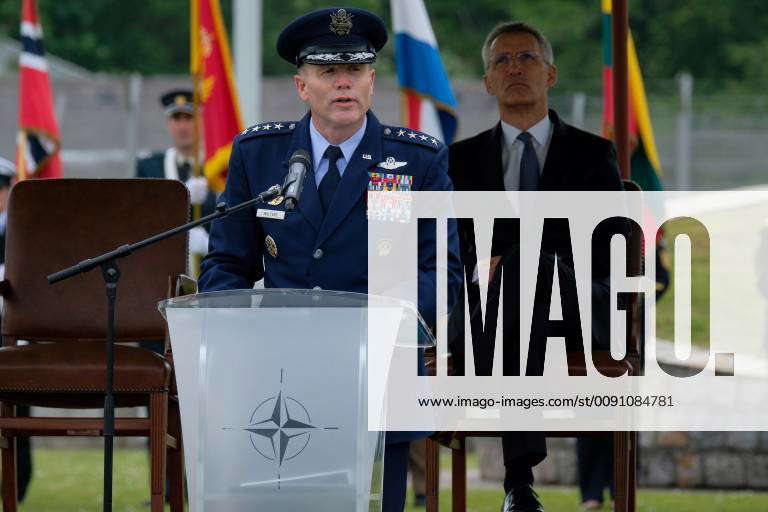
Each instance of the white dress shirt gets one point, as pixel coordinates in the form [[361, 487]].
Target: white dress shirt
[[320, 144], [512, 150]]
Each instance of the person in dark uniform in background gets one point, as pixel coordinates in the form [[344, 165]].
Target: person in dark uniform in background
[[176, 162], [323, 244], [23, 446], [7, 177], [530, 148], [417, 465]]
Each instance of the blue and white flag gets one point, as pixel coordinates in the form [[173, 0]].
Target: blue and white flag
[[428, 102]]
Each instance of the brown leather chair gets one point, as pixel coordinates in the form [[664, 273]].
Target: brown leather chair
[[624, 442], [53, 224]]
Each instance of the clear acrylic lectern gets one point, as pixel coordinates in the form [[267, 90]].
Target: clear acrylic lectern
[[273, 390]]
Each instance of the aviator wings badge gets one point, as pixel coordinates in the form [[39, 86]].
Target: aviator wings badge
[[390, 163]]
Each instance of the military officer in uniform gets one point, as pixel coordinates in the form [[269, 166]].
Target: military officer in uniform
[[323, 244], [175, 163]]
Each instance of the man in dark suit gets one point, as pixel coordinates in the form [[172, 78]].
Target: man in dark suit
[[175, 163], [530, 148], [323, 243]]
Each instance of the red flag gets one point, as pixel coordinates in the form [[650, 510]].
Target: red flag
[[215, 92], [37, 149]]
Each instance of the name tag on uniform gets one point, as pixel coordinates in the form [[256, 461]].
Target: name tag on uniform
[[270, 214]]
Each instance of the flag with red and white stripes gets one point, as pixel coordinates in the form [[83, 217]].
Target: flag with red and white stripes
[[37, 148]]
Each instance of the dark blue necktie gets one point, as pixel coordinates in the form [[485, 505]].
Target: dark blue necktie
[[183, 171], [331, 179], [529, 164]]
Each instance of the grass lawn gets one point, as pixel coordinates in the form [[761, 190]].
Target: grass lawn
[[71, 481], [566, 500], [700, 284]]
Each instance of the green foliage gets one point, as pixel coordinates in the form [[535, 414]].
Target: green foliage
[[720, 42], [700, 268]]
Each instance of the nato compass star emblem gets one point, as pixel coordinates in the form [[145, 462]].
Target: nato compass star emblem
[[280, 428]]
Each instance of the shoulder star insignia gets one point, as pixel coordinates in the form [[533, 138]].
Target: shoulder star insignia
[[434, 141], [423, 137], [412, 135], [401, 133], [272, 128]]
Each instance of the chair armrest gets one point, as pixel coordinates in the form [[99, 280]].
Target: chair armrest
[[183, 285], [448, 439]]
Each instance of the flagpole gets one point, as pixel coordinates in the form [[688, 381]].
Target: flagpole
[[619, 22], [21, 168], [196, 71], [248, 26]]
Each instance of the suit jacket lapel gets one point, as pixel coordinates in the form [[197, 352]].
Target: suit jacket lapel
[[309, 204], [554, 167], [493, 167], [354, 182], [489, 171]]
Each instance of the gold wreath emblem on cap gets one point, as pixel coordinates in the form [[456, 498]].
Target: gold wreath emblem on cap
[[180, 100], [341, 22]]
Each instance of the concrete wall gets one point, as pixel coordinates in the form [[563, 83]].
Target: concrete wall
[[705, 460]]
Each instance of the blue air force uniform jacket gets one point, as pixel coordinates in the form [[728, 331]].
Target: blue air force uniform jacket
[[308, 249]]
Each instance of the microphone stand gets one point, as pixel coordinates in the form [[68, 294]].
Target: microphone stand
[[111, 274]]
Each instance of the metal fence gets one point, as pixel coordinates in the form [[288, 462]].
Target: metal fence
[[707, 140]]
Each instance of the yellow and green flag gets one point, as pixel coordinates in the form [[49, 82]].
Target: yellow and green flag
[[644, 160], [646, 168]]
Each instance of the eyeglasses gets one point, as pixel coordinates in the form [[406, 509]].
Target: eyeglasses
[[524, 58]]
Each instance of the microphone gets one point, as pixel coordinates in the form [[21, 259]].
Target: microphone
[[298, 166]]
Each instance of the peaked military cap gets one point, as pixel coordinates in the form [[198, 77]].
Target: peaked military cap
[[178, 101], [336, 35]]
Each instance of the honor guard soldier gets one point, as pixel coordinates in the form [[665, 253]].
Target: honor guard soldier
[[23, 444], [7, 177], [323, 243], [175, 163]]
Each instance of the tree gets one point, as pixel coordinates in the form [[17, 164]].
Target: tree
[[723, 42]]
